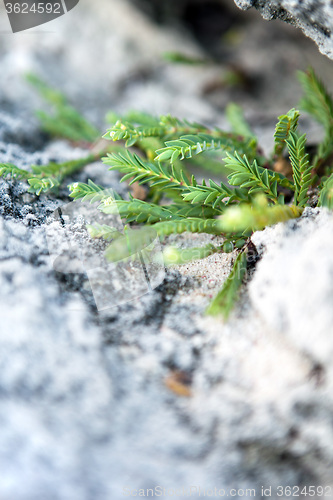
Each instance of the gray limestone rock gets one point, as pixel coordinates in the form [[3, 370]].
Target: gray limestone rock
[[293, 284], [314, 17], [151, 393]]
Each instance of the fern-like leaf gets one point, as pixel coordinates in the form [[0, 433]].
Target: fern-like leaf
[[64, 169], [141, 171], [43, 178], [126, 131], [188, 139], [214, 195], [87, 192], [138, 126], [301, 167], [137, 210], [38, 186], [10, 170], [286, 124], [46, 177], [188, 145], [254, 178], [195, 210]]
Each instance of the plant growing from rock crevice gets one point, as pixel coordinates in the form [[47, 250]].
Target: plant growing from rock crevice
[[160, 153]]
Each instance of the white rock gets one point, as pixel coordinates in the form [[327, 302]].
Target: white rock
[[292, 287]]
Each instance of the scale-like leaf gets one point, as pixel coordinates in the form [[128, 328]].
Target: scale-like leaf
[[139, 170], [188, 146], [10, 170], [301, 168], [254, 178], [286, 124]]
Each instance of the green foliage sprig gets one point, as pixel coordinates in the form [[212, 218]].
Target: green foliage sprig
[[326, 193], [188, 138], [64, 121], [253, 178], [10, 170], [137, 126], [299, 160], [252, 197], [138, 211], [138, 170], [287, 123], [189, 145], [319, 104], [43, 178]]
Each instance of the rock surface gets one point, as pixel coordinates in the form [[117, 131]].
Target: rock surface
[[314, 17], [153, 393], [283, 292]]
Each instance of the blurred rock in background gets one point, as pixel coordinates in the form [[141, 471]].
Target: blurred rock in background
[[315, 18]]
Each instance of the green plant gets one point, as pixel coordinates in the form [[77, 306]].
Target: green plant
[[160, 153], [63, 121], [43, 178]]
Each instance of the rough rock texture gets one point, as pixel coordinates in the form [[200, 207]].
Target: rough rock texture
[[283, 292], [292, 291], [314, 17], [153, 392]]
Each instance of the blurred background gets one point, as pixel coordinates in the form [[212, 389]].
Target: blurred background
[[110, 54]]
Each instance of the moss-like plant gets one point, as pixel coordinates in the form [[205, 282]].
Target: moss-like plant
[[160, 153]]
